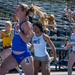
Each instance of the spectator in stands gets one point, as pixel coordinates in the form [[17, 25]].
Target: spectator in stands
[[70, 44], [20, 54], [68, 13], [54, 31], [51, 22], [41, 56]]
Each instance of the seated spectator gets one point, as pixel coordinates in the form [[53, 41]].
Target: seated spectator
[[51, 22]]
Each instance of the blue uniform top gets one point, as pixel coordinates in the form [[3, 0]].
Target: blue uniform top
[[17, 43]]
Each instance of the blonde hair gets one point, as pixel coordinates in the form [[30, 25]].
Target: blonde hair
[[33, 8], [9, 23], [37, 10]]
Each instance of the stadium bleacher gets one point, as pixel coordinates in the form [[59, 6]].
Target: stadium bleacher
[[55, 8]]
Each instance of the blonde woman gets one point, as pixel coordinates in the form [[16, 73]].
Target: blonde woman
[[6, 35]]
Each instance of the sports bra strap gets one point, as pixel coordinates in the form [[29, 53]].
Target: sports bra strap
[[21, 24]]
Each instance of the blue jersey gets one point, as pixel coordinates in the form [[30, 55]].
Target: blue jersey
[[17, 43]]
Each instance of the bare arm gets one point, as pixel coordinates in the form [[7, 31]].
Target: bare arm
[[68, 45], [50, 43], [27, 32]]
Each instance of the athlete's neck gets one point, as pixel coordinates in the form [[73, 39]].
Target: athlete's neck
[[7, 31], [21, 20], [38, 34]]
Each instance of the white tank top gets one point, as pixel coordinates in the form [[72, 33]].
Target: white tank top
[[39, 46], [73, 41]]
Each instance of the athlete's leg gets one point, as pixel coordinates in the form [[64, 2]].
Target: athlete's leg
[[70, 63], [5, 53], [37, 65], [45, 65], [27, 65], [8, 64]]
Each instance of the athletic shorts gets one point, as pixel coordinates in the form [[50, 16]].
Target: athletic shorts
[[44, 58], [20, 57]]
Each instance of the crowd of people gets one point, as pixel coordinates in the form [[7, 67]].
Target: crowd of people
[[37, 35]]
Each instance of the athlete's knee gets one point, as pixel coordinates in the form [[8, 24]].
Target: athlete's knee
[[47, 67]]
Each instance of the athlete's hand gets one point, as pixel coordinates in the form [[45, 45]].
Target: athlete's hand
[[16, 26], [53, 59]]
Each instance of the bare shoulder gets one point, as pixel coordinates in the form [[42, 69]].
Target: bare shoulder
[[26, 25], [46, 37]]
